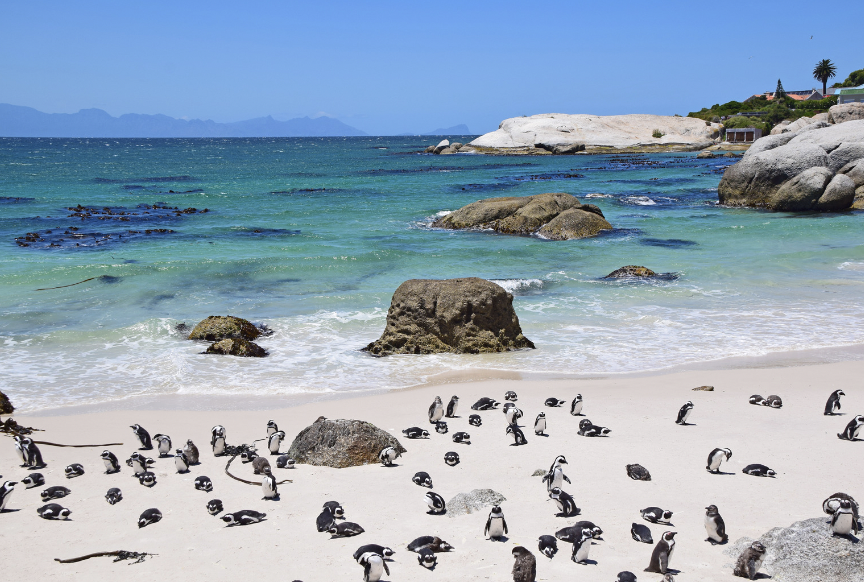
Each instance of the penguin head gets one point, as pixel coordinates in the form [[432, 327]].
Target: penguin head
[[106, 455], [584, 423], [427, 558], [332, 531], [711, 510], [541, 415], [228, 518], [845, 504], [64, 513], [840, 393], [272, 424], [9, 485], [772, 472], [454, 399], [757, 547], [578, 397], [667, 536], [214, 506], [667, 515], [859, 419], [441, 427], [425, 434]]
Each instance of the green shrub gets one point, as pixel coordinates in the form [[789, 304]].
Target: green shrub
[[854, 79], [657, 134]]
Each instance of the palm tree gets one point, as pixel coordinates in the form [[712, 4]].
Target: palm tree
[[824, 70]]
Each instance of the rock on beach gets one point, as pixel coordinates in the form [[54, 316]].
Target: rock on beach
[[236, 347], [219, 327], [341, 443], [5, 405]]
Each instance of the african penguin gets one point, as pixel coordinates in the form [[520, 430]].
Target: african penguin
[[55, 492], [715, 526], [596, 532], [388, 455], [517, 434], [626, 576], [589, 429], [374, 566], [271, 427], [21, 450], [181, 462], [243, 517], [149, 516], [773, 401], [274, 441], [850, 433], [831, 504], [441, 427], [758, 470], [510, 395], [34, 455], [423, 479], [844, 521], [53, 511], [248, 456], [434, 543], [163, 444], [324, 521], [555, 477], [214, 506], [641, 533], [485, 403], [570, 533], [833, 404], [716, 457], [750, 561], [112, 465], [554, 402], [268, 485], [5, 492], [143, 437], [33, 480], [507, 406], [436, 410], [436, 503], [345, 529], [655, 514], [426, 558], [475, 420], [382, 551], [662, 553], [452, 406], [525, 566], [548, 546], [285, 462], [496, 526], [74, 470], [203, 483], [217, 440], [462, 437], [113, 495], [684, 413], [576, 406], [191, 452], [757, 399], [138, 463], [638, 473], [451, 458], [147, 478], [540, 424], [566, 504], [415, 432], [581, 547], [335, 508], [512, 414]]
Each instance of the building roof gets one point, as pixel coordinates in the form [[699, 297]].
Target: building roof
[[807, 95], [850, 90]]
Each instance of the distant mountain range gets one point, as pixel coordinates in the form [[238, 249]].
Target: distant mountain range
[[17, 121], [460, 129]]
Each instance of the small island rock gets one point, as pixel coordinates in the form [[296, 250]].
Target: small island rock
[[219, 327], [6, 405], [341, 443], [630, 271], [237, 347]]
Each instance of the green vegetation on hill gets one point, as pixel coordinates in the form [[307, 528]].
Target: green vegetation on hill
[[854, 79], [773, 112]]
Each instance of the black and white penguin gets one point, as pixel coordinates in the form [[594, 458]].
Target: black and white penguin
[[548, 546], [441, 427], [581, 547], [335, 508], [517, 434], [684, 413], [589, 429], [507, 406], [511, 396], [217, 440], [569, 534], [5, 492], [415, 432], [496, 526], [462, 437], [346, 529], [112, 465], [214, 506], [191, 452], [436, 410], [596, 532], [243, 517], [149, 516], [34, 455], [715, 526], [388, 455], [268, 486], [163, 444], [564, 501], [426, 558], [641, 533], [656, 515], [757, 399], [475, 420], [850, 433], [831, 504], [143, 437], [638, 473], [203, 483], [540, 424], [844, 521], [576, 406], [422, 479], [554, 402], [114, 495], [452, 406], [181, 462], [382, 551], [750, 561], [324, 521], [374, 566], [21, 450], [74, 470], [512, 414], [147, 479], [662, 553], [758, 470], [626, 576], [274, 442], [138, 462], [271, 427], [56, 492], [248, 456], [833, 404], [451, 458], [555, 477], [436, 503], [33, 480], [260, 465], [716, 457], [434, 543], [53, 511], [285, 462], [773, 401], [485, 403]]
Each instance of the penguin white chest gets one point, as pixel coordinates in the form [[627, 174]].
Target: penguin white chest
[[577, 408], [582, 552], [686, 415], [496, 528], [540, 425], [843, 524], [376, 570], [711, 529]]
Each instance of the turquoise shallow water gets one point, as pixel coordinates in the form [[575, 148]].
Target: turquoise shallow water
[[311, 236]]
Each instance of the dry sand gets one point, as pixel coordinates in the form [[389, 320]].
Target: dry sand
[[797, 441]]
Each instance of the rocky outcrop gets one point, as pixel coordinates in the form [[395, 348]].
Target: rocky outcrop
[[469, 316], [236, 347], [444, 147], [341, 443], [631, 271], [787, 126], [566, 134], [846, 112], [806, 551], [6, 405], [475, 500], [219, 327], [555, 216], [815, 168]]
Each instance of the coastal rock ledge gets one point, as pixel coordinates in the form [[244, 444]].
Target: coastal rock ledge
[[554, 216], [341, 443], [462, 316]]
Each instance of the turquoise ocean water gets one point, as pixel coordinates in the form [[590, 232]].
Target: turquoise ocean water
[[311, 236]]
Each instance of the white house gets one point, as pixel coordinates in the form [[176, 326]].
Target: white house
[[850, 94]]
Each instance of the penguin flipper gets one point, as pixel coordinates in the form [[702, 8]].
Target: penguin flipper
[[504, 523], [566, 478], [386, 569]]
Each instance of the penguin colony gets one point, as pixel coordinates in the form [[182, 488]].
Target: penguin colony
[[842, 508]]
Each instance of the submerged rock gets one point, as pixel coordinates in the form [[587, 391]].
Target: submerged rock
[[237, 347], [219, 327], [5, 405], [341, 443], [555, 216], [469, 316], [630, 271], [476, 500]]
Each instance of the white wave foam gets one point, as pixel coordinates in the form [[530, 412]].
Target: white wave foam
[[517, 286], [851, 266], [638, 200], [598, 195]]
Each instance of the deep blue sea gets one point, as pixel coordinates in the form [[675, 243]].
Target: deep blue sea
[[311, 236]]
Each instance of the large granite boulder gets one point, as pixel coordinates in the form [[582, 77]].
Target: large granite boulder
[[341, 443], [6, 405], [219, 327], [806, 551], [557, 216], [236, 347], [846, 112], [462, 316], [631, 271], [796, 171], [473, 501]]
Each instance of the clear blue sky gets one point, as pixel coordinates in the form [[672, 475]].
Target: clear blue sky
[[392, 67]]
